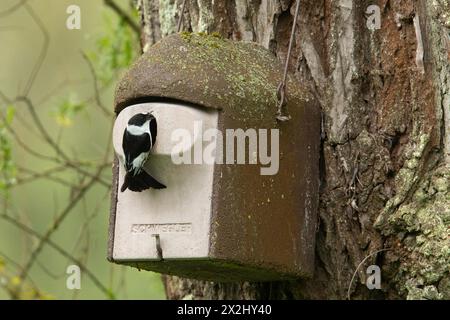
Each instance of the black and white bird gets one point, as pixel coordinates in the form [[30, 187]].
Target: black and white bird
[[138, 140]]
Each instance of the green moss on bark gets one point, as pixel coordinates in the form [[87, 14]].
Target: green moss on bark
[[425, 223], [167, 14]]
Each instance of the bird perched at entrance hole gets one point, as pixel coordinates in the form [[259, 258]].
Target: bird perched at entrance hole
[[138, 140]]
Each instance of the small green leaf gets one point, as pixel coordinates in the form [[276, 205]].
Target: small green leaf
[[115, 50], [10, 112], [67, 110], [110, 294]]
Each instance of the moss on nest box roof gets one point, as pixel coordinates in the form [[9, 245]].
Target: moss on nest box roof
[[209, 71]]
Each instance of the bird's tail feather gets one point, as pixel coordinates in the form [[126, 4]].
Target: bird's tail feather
[[140, 182]]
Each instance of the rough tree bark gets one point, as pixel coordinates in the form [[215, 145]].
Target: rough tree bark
[[385, 97]]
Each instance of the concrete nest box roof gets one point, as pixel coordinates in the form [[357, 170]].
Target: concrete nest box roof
[[209, 71]]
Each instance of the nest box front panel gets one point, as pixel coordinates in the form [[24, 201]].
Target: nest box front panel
[[179, 214]]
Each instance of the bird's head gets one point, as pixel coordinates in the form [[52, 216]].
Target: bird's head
[[140, 118]]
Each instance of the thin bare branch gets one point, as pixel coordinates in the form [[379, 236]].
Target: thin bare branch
[[23, 144], [53, 144], [43, 175], [98, 99], [122, 14], [5, 98], [56, 223], [12, 9], [13, 293], [44, 49], [60, 250]]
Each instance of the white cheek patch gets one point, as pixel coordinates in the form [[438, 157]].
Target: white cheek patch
[[138, 130]]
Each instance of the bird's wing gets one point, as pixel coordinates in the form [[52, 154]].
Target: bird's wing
[[133, 146]]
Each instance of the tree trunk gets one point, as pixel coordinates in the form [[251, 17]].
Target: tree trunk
[[385, 97]]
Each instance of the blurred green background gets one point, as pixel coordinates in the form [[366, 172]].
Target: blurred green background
[[63, 96]]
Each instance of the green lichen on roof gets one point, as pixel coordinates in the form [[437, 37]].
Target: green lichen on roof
[[211, 71]]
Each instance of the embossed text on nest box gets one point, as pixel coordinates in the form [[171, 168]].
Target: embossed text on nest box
[[162, 228]]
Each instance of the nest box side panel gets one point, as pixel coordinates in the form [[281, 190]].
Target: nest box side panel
[[269, 221], [112, 216]]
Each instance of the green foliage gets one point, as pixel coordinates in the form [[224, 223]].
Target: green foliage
[[17, 288], [115, 49], [67, 110], [7, 166], [111, 294]]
